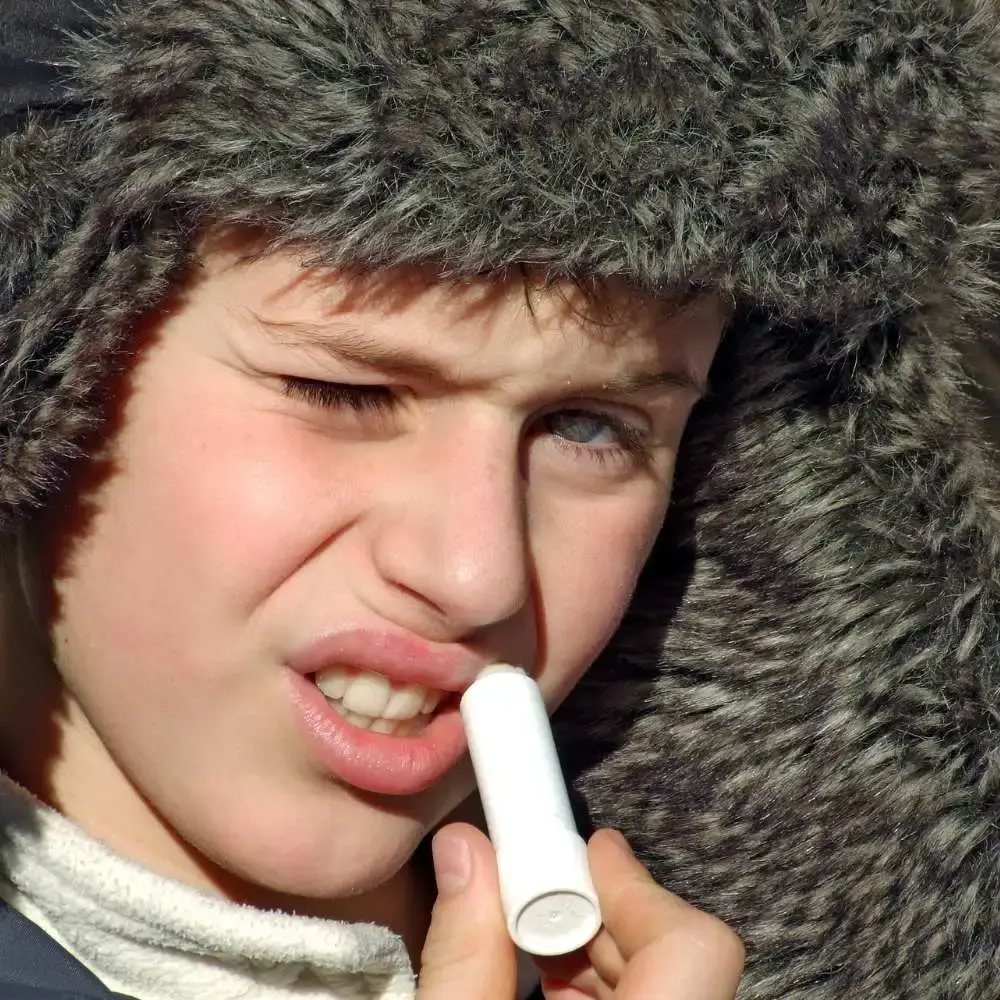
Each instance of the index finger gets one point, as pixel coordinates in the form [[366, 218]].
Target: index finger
[[664, 942]]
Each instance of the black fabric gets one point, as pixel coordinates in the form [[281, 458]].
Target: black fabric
[[15, 992], [34, 967], [32, 63]]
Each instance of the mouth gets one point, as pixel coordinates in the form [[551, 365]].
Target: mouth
[[377, 735], [374, 702], [379, 710]]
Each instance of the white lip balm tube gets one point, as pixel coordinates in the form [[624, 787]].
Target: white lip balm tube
[[545, 886]]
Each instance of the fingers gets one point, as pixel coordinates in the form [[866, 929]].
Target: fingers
[[468, 954], [573, 978], [653, 943]]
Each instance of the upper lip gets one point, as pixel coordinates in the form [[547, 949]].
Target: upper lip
[[399, 656]]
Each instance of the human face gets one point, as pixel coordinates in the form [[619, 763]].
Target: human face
[[312, 470]]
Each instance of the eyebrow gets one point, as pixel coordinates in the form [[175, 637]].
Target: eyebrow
[[359, 348]]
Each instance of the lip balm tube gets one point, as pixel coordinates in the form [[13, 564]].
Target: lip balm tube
[[547, 893]]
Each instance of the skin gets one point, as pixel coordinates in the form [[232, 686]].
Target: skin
[[228, 517]]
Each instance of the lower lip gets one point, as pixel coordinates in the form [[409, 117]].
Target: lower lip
[[378, 762]]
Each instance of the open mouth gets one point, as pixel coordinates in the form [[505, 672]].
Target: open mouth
[[371, 701]]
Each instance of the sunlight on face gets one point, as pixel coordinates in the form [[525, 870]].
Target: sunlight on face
[[456, 473]]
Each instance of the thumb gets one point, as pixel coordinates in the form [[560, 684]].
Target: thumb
[[468, 954]]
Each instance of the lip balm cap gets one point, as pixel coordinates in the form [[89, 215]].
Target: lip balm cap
[[548, 896]]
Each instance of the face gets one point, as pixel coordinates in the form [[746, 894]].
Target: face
[[370, 485]]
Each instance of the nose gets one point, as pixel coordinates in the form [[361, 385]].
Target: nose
[[453, 535]]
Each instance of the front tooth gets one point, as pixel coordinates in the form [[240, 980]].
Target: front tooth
[[367, 694], [333, 681], [405, 702], [386, 726]]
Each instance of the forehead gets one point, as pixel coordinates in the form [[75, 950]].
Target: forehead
[[469, 322]]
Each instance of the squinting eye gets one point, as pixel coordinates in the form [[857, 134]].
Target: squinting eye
[[341, 395], [582, 427], [596, 435]]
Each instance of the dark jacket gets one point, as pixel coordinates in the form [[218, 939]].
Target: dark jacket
[[34, 967]]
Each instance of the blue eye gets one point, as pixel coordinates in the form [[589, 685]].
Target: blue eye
[[582, 427], [597, 436]]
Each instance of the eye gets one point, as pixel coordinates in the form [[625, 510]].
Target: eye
[[341, 395], [582, 427], [597, 436]]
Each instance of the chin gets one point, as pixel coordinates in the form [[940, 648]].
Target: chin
[[320, 854]]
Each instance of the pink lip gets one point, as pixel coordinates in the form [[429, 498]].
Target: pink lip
[[402, 658], [376, 762]]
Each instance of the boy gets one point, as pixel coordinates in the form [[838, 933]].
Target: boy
[[350, 348]]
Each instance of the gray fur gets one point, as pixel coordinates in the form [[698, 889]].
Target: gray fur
[[797, 728], [796, 723]]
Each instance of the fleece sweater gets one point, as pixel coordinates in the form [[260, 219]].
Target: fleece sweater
[[155, 938]]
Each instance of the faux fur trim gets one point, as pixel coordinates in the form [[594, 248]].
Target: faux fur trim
[[833, 162]]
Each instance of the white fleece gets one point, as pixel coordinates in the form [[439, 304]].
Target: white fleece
[[157, 939], [154, 938]]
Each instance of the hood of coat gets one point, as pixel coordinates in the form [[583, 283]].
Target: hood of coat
[[796, 723]]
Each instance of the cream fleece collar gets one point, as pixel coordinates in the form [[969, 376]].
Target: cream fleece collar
[[157, 939]]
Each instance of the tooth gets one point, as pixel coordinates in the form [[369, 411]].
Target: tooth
[[386, 726], [333, 681], [405, 702], [431, 702], [361, 721], [368, 694]]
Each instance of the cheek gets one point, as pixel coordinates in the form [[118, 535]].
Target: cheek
[[586, 577], [211, 504]]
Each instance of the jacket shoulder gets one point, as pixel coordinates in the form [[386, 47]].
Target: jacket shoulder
[[35, 967], [16, 992]]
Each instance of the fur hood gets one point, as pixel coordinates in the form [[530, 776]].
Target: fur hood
[[797, 725]]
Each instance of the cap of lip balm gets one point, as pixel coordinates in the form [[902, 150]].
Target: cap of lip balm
[[547, 893]]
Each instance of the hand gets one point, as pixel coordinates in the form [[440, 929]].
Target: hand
[[653, 944]]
